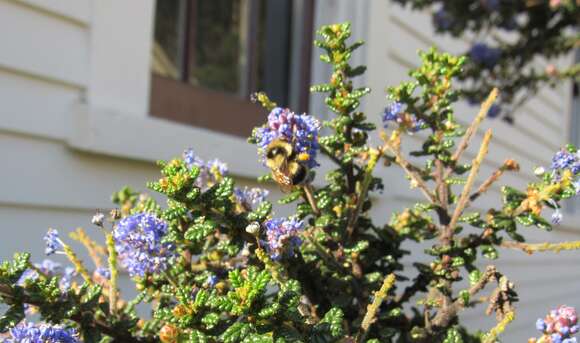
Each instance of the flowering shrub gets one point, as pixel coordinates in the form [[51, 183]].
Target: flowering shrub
[[507, 40], [213, 264]]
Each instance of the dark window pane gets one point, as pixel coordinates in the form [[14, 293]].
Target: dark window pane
[[168, 38], [218, 28], [274, 50]]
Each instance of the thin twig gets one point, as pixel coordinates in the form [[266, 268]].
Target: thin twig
[[79, 266], [368, 177], [491, 336], [464, 198], [112, 260], [445, 315], [93, 249], [509, 165], [409, 169], [309, 192], [485, 106], [373, 308], [541, 247]]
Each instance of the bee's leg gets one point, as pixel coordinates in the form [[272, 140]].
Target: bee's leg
[[309, 192]]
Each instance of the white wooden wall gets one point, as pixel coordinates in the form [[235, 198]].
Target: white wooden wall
[[74, 126]]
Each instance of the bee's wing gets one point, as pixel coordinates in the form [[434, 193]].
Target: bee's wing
[[281, 176]]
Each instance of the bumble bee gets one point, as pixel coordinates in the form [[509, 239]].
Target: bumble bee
[[288, 167]]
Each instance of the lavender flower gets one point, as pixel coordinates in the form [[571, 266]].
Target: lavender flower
[[282, 235], [53, 243], [103, 272], [443, 20], [299, 129], [67, 278], [394, 112], [557, 217], [50, 269], [250, 197], [42, 333], [565, 160], [211, 281], [210, 172], [494, 111], [559, 325], [138, 242], [484, 55]]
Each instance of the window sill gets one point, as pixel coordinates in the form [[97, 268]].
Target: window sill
[[149, 139]]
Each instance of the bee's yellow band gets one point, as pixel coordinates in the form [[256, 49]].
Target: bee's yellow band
[[303, 156]]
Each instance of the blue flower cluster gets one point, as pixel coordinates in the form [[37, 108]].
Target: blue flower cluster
[[103, 272], [564, 159], [138, 241], [53, 243], [283, 236], [250, 197], [443, 20], [394, 112], [301, 130], [485, 55], [559, 325], [42, 333], [51, 269], [210, 172]]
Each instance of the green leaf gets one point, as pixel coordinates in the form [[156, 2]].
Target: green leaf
[[464, 296], [261, 212], [474, 277], [202, 228], [210, 320]]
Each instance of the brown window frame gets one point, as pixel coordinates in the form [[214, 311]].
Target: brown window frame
[[179, 101]]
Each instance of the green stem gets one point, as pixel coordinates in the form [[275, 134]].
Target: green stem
[[79, 266], [368, 177], [113, 292]]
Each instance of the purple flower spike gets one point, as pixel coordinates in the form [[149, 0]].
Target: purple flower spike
[[53, 243]]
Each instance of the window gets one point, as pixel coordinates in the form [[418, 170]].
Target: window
[[210, 55]]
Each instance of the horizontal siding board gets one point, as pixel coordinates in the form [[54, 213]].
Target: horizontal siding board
[[34, 106], [44, 46], [76, 11], [44, 172]]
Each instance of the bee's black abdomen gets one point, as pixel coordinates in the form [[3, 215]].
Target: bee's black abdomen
[[299, 175]]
